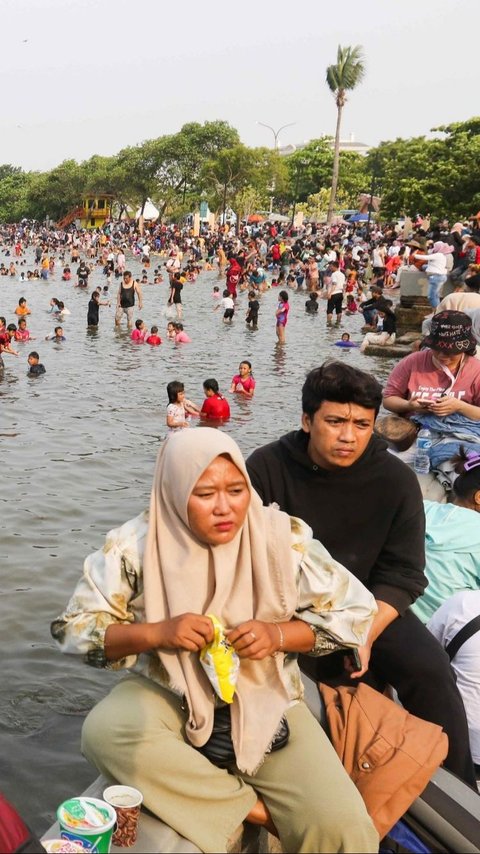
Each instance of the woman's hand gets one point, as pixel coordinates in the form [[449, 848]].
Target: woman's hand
[[445, 406], [422, 404], [255, 639], [188, 631]]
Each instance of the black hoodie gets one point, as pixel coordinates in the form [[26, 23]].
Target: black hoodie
[[368, 515]]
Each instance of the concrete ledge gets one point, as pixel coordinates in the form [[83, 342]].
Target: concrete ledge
[[409, 337], [391, 351], [154, 836]]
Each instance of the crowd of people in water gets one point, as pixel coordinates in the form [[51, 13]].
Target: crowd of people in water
[[341, 464], [352, 268]]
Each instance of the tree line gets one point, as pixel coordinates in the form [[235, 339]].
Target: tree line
[[208, 162]]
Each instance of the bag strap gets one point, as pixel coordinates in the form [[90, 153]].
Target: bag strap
[[462, 636]]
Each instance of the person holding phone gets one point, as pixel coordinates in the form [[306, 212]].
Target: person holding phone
[[443, 377]]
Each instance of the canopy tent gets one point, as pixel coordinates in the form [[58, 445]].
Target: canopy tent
[[150, 212]]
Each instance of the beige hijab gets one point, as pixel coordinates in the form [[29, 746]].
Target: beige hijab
[[251, 577]]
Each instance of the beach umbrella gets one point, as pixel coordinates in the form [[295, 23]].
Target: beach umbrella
[[255, 217]]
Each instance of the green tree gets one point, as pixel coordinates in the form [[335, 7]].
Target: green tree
[[437, 176], [231, 177], [310, 172], [344, 75], [170, 166], [14, 186], [55, 192]]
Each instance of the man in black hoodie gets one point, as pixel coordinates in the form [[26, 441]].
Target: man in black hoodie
[[366, 507]]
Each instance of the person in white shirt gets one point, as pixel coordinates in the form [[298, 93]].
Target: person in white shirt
[[336, 290], [378, 259], [228, 306], [446, 622], [436, 269]]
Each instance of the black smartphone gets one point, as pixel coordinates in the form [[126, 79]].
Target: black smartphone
[[354, 655]]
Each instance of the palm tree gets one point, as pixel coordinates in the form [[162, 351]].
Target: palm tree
[[348, 72]]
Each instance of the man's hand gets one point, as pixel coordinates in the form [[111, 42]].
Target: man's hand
[[364, 653], [255, 639], [386, 614]]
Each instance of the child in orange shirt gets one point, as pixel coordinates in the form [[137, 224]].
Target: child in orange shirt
[[22, 309]]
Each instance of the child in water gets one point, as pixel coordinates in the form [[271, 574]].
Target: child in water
[[171, 330], [57, 335], [281, 315], [345, 341], [181, 336], [36, 367], [228, 306], [311, 305], [352, 306], [154, 338], [243, 382], [140, 332], [22, 308], [179, 408], [22, 333], [253, 307]]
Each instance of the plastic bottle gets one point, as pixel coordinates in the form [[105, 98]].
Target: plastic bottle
[[421, 462]]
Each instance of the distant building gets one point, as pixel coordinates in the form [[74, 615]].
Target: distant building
[[345, 145], [96, 210]]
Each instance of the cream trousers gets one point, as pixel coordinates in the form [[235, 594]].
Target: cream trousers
[[136, 735]]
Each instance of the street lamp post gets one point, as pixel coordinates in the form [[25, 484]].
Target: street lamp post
[[300, 167], [372, 191], [276, 132]]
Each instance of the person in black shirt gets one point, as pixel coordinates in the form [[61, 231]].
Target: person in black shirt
[[93, 309], [311, 305], [251, 318], [387, 333], [83, 273], [36, 367], [366, 507], [368, 308]]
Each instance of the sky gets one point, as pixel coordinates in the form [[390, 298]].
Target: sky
[[84, 77]]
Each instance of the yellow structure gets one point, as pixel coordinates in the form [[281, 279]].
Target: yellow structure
[[96, 210]]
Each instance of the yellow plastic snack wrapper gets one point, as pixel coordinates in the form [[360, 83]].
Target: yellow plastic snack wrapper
[[220, 662]]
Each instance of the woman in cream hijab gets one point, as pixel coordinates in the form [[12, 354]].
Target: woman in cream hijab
[[209, 547]]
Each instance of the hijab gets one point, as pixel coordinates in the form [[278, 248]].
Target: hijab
[[248, 578]]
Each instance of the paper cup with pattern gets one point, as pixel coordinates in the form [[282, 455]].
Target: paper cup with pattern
[[127, 803]]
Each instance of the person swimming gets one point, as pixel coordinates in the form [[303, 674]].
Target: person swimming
[[345, 341]]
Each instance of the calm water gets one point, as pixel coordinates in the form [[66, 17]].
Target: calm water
[[78, 447]]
